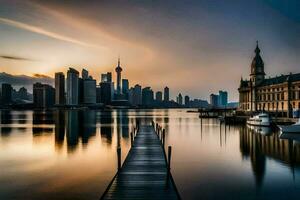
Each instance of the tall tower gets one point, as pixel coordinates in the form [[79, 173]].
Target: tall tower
[[118, 71], [257, 68]]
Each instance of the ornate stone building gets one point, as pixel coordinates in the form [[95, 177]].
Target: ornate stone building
[[280, 94]]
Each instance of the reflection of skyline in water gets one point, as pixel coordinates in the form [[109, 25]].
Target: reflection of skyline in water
[[202, 151], [258, 147]]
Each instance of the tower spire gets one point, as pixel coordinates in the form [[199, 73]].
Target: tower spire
[[257, 50], [119, 60]]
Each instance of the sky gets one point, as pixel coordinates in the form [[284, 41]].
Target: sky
[[195, 47]]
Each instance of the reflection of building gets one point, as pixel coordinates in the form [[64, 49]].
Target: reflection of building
[[43, 95], [72, 87], [60, 123], [278, 94], [59, 88], [72, 131], [258, 147], [106, 128]]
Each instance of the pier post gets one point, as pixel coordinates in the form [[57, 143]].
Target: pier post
[[119, 158], [169, 158], [131, 138], [163, 138]]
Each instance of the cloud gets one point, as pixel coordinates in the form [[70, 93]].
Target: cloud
[[15, 58], [44, 32]]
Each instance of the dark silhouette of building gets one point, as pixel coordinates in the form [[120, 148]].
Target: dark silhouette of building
[[6, 94], [43, 95], [214, 100], [59, 88], [166, 94], [125, 87], [72, 87], [179, 99], [106, 92], [187, 101], [158, 96], [118, 71], [147, 96]]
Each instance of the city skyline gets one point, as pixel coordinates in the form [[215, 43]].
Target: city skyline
[[188, 47]]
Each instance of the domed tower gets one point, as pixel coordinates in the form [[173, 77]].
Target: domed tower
[[257, 68], [118, 71]]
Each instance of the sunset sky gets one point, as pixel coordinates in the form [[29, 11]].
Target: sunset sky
[[195, 47]]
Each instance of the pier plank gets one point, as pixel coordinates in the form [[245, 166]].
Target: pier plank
[[144, 172]]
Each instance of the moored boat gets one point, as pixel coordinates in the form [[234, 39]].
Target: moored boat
[[294, 128], [262, 119]]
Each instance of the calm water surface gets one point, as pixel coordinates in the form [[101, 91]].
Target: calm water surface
[[72, 155]]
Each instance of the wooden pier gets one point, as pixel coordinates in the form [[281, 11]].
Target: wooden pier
[[145, 173]]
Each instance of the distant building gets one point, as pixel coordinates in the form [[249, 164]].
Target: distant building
[[106, 92], [89, 91], [84, 74], [223, 98], [6, 94], [136, 95], [72, 87], [43, 95], [98, 94], [118, 71], [214, 100], [279, 94], [179, 99], [147, 96], [80, 91], [106, 78], [158, 96], [187, 101], [59, 88], [166, 94], [125, 88], [198, 103]]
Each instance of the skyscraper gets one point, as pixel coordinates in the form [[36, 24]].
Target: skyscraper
[[106, 77], [147, 96], [223, 98], [72, 87], [118, 71], [59, 88], [89, 91], [6, 93], [43, 95], [84, 74], [186, 101], [214, 100], [158, 96], [166, 94], [125, 87], [179, 99]]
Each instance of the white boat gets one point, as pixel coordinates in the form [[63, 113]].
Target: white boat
[[263, 130], [294, 128], [262, 119]]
